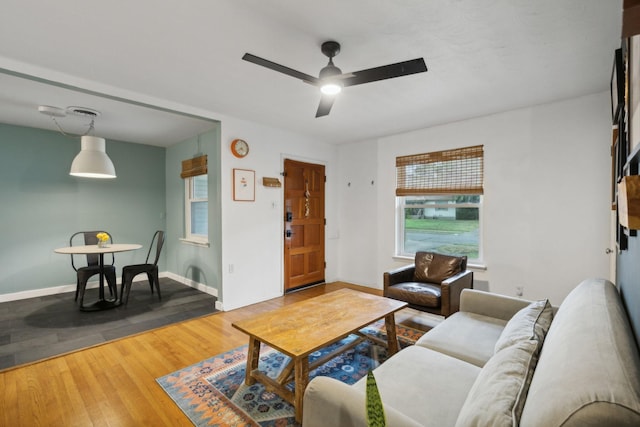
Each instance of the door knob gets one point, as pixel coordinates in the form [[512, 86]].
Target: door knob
[[608, 251], [288, 233]]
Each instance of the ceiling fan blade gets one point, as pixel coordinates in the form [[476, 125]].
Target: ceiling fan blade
[[280, 68], [326, 102], [390, 71]]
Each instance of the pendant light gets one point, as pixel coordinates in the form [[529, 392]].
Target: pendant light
[[92, 160]]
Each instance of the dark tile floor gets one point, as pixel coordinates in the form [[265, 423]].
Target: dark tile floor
[[37, 328]]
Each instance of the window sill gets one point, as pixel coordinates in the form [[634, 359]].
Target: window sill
[[192, 242], [470, 266]]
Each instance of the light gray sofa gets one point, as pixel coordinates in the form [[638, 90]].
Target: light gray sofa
[[504, 361]]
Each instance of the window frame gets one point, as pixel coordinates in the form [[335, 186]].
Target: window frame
[[189, 200]]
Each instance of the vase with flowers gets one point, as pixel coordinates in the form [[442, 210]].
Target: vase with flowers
[[103, 238]]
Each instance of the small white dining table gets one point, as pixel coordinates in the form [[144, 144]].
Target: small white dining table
[[102, 303]]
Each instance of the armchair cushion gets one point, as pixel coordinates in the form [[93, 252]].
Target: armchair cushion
[[435, 268], [417, 293]]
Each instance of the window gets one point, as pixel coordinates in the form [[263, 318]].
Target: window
[[196, 208], [446, 224], [439, 202], [196, 196]]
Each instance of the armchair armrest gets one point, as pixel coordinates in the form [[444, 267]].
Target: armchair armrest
[[329, 402], [399, 275], [452, 289], [490, 304]]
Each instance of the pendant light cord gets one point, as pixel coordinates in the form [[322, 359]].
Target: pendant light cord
[[91, 129]]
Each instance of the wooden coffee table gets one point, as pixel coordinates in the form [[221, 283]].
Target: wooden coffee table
[[301, 328]]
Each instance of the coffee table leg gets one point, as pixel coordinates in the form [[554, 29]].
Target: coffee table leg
[[392, 339], [301, 379], [252, 360]]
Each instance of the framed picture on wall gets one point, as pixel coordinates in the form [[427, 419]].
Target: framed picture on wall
[[244, 185], [621, 147], [614, 168], [617, 86], [633, 59]]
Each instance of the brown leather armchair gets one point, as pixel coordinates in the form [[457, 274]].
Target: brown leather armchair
[[434, 283]]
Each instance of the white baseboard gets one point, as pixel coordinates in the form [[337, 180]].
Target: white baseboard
[[15, 296], [199, 286]]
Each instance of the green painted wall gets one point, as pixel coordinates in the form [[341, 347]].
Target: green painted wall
[[200, 264], [41, 205]]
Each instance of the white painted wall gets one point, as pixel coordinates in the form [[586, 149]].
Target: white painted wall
[[359, 235], [252, 232], [546, 203]]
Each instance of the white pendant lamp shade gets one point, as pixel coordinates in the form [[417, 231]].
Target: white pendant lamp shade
[[92, 160]]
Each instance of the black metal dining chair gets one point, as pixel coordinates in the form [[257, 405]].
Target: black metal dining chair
[[84, 273], [129, 272]]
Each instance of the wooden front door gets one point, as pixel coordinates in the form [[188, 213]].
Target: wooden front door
[[304, 224]]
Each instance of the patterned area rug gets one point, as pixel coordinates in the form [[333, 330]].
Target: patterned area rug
[[213, 393]]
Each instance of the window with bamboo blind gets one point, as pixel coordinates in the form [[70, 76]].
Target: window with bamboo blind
[[439, 201]]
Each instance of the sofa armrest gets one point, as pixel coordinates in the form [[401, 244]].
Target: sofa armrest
[[490, 304], [329, 402], [399, 275], [452, 288]]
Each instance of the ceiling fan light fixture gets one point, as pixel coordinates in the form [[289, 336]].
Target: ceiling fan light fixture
[[92, 160], [331, 88], [331, 85]]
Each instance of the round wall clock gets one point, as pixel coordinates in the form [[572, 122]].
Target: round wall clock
[[239, 148]]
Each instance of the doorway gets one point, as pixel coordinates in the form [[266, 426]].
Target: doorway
[[304, 224]]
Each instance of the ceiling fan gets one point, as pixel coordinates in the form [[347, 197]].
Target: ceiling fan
[[331, 80]]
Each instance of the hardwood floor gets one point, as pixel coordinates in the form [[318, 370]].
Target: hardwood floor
[[114, 384]]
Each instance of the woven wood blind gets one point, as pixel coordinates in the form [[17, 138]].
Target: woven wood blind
[[194, 167], [458, 171]]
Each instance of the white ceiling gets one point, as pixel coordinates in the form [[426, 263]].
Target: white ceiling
[[483, 56]]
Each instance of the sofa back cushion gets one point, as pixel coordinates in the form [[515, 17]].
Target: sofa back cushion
[[588, 371], [530, 323], [435, 268], [498, 395]]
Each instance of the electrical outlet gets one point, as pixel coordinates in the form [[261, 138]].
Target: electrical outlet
[[519, 291]]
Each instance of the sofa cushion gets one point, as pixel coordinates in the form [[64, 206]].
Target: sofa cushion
[[329, 402], [423, 294], [466, 336], [530, 323], [499, 393], [434, 268], [424, 385], [588, 372]]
